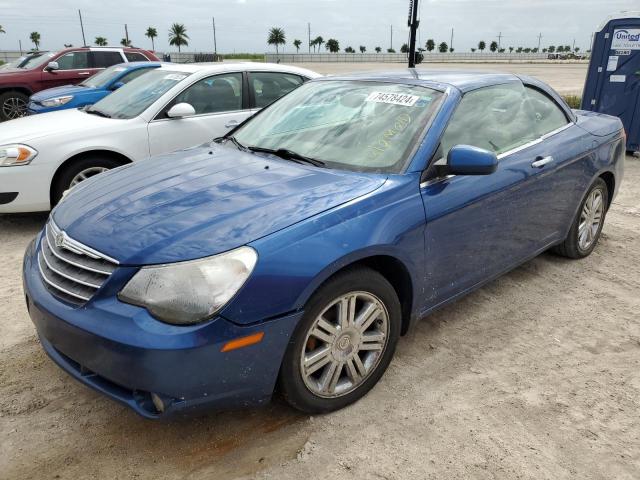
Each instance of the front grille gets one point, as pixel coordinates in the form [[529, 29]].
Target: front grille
[[70, 270]]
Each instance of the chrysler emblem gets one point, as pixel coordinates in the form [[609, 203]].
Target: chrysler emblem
[[60, 240]]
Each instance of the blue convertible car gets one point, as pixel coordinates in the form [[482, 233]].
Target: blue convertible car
[[293, 253], [90, 91]]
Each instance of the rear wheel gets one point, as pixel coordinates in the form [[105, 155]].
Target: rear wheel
[[344, 343], [13, 105], [79, 171], [587, 225]]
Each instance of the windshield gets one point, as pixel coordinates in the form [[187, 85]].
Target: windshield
[[103, 78], [136, 96], [355, 125], [37, 59]]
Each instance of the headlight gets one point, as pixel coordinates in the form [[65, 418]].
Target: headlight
[[16, 155], [56, 102], [190, 292]]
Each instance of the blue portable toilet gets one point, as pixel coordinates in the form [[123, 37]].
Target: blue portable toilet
[[613, 78]]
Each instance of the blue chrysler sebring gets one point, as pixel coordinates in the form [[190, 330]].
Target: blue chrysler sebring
[[90, 91], [291, 254]]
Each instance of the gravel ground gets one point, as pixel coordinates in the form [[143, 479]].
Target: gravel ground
[[536, 375]]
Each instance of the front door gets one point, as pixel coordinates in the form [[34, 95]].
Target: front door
[[219, 104], [73, 67], [480, 226]]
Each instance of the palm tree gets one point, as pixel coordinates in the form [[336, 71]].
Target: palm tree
[[378, 49], [276, 37], [35, 38], [494, 46], [510, 49], [332, 45], [391, 50], [125, 42], [443, 47], [404, 48], [363, 49], [178, 36], [297, 43], [349, 50], [101, 41], [431, 45], [473, 50], [312, 43], [482, 45], [319, 41], [152, 33]]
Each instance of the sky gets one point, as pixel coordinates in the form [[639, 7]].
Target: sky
[[242, 25]]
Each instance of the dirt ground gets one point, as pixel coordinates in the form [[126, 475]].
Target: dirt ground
[[536, 375], [565, 78]]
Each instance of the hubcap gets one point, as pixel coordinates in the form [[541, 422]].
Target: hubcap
[[86, 173], [14, 107], [345, 344], [590, 219]]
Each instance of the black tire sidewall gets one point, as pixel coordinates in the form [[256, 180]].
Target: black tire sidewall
[[573, 248], [63, 181], [359, 279]]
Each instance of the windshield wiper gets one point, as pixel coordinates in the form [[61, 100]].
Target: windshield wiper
[[100, 113], [289, 155], [233, 140]]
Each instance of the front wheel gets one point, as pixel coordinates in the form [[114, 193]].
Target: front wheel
[[587, 226], [79, 171], [344, 343]]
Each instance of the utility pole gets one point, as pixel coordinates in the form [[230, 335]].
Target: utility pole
[[84, 42], [215, 45], [309, 34], [413, 27], [591, 42], [574, 45], [126, 34], [451, 42], [539, 40], [20, 44], [499, 40], [391, 46]]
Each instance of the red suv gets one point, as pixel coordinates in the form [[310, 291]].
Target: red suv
[[44, 70]]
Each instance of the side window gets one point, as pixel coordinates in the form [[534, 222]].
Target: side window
[[219, 93], [267, 87], [135, 57], [74, 61], [548, 115], [496, 118], [106, 59], [133, 75]]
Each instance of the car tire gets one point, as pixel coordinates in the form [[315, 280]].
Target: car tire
[[13, 105], [74, 173], [358, 292], [575, 246]]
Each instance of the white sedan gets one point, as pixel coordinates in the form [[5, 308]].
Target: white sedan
[[167, 109]]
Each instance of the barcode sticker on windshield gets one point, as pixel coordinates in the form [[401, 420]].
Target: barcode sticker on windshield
[[393, 98], [176, 77]]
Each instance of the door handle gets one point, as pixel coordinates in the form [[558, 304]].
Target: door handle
[[232, 123], [84, 73], [541, 161]]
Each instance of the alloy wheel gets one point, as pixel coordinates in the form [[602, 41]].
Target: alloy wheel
[[344, 344], [85, 174], [590, 219], [14, 107]]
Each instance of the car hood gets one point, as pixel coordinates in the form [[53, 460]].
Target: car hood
[[64, 122], [61, 91], [200, 202]]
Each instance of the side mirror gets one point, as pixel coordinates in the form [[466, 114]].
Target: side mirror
[[180, 110], [468, 160], [52, 66], [117, 85]]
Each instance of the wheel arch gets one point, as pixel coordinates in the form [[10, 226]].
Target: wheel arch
[[394, 270], [119, 157], [16, 88], [610, 180]]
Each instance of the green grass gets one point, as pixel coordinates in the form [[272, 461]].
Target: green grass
[[573, 101], [244, 56]]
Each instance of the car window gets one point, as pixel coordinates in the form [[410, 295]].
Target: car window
[[267, 87], [73, 61], [219, 93], [548, 114], [139, 94], [106, 59], [135, 57], [103, 78], [37, 59], [496, 118], [352, 125], [133, 75]]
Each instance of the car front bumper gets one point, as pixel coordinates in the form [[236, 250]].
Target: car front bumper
[[25, 188], [124, 353]]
